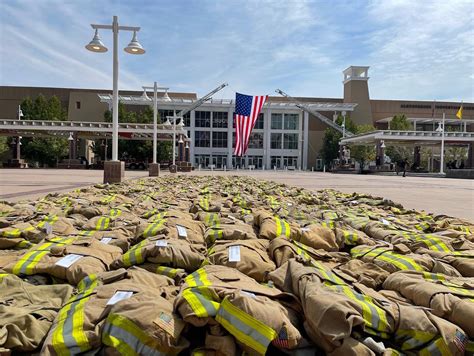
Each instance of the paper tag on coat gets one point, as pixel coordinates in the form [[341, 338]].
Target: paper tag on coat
[[234, 253], [385, 222], [248, 294], [161, 243], [305, 229], [118, 296], [48, 228], [106, 240], [68, 260], [181, 231]]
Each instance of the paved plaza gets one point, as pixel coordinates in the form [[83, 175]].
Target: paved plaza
[[453, 197]]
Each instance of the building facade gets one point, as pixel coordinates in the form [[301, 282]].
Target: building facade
[[284, 135]]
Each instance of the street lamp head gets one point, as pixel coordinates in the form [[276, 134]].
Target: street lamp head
[[180, 139], [70, 138], [96, 44], [167, 122], [134, 47], [439, 128], [181, 123], [166, 97], [383, 144], [145, 96]]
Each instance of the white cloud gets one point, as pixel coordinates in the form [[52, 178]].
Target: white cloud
[[422, 49]]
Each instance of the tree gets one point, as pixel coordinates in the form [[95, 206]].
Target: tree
[[399, 154], [45, 150], [400, 123], [363, 153], [140, 150], [330, 149]]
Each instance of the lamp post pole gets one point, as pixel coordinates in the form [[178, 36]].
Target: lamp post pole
[[174, 137], [155, 120], [115, 100], [114, 170]]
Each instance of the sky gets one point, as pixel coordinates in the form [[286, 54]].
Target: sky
[[416, 49]]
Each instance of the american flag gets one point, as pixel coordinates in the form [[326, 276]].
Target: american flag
[[282, 340], [247, 108]]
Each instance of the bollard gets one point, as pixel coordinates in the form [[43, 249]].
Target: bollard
[[312, 169], [324, 169], [199, 167], [225, 168], [275, 168]]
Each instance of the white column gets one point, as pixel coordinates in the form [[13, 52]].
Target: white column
[[305, 140], [230, 130], [192, 136], [266, 138], [441, 167], [115, 30], [174, 137]]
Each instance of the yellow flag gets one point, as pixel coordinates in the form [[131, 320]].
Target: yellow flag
[[459, 113]]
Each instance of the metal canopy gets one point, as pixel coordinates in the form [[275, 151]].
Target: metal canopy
[[424, 120], [181, 103], [90, 130], [421, 137]]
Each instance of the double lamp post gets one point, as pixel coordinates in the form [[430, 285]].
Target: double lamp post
[[114, 170]]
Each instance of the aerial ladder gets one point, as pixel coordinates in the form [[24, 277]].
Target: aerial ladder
[[197, 103], [321, 117], [183, 112]]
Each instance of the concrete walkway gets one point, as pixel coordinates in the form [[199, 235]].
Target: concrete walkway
[[453, 197]]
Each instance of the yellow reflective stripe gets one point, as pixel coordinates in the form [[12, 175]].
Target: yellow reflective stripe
[[412, 339], [108, 198], [69, 336], [245, 328], [397, 260], [102, 223], [374, 316], [153, 228], [115, 212], [198, 278], [128, 338], [120, 346], [327, 274], [134, 255], [11, 233], [168, 271], [50, 219], [27, 262], [200, 299], [282, 227], [329, 224], [87, 232], [204, 203], [150, 213], [437, 347], [350, 238]]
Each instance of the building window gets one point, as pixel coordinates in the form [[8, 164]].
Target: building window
[[78, 105], [290, 161], [277, 121], [219, 119], [256, 140], [290, 141], [187, 119], [163, 115], [219, 139], [202, 139], [259, 123], [202, 118], [275, 161], [291, 122], [275, 141]]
